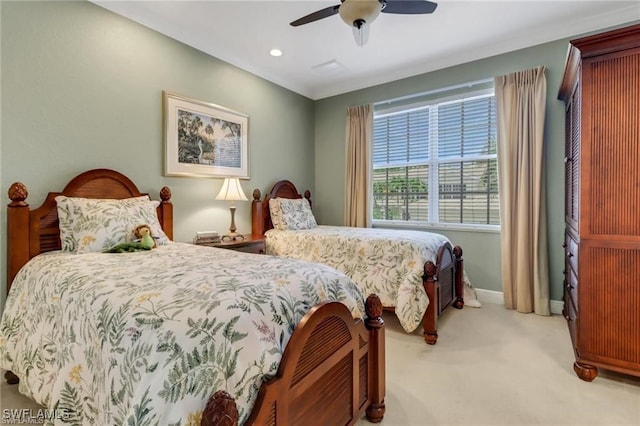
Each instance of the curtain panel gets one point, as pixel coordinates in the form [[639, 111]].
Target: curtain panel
[[358, 143], [520, 101]]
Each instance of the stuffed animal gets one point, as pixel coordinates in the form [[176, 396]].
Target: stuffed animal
[[144, 237], [143, 241]]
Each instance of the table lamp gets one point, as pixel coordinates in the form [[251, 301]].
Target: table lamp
[[232, 191]]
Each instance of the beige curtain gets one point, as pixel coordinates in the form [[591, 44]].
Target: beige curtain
[[520, 99], [358, 138]]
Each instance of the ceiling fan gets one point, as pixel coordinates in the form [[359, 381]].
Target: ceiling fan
[[358, 14]]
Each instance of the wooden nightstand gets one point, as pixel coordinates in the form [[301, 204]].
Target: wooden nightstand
[[250, 244]]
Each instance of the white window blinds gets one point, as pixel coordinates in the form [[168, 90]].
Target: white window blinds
[[436, 162]]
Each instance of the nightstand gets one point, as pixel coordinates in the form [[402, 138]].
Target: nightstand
[[250, 244]]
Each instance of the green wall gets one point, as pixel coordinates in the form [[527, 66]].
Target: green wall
[[481, 249], [82, 88]]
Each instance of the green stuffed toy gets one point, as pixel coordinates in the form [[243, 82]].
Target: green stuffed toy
[[144, 241], [143, 234]]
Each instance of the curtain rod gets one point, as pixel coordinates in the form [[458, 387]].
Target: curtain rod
[[431, 92]]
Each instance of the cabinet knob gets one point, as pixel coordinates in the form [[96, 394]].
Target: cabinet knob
[[569, 254], [564, 245], [568, 159]]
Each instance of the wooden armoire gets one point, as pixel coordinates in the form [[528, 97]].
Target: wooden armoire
[[601, 91]]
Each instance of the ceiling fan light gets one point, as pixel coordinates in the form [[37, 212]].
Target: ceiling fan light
[[359, 10], [361, 34]]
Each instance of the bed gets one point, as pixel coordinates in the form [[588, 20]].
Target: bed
[[436, 266], [165, 352]]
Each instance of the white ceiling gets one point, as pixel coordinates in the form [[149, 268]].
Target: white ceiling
[[243, 32]]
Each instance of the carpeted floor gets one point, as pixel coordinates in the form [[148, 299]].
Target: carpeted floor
[[491, 366]]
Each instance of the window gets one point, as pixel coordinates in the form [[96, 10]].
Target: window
[[436, 162]]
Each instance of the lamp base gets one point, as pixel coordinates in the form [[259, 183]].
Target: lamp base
[[233, 236]]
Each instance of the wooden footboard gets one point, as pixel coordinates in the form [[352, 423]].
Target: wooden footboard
[[332, 372], [443, 283]]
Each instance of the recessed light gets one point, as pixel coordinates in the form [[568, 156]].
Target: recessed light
[[276, 52]]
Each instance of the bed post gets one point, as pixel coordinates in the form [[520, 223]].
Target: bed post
[[459, 302], [165, 212], [18, 235], [257, 218], [377, 381], [430, 319]]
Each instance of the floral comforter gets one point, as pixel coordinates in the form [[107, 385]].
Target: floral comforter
[[389, 263], [145, 338]]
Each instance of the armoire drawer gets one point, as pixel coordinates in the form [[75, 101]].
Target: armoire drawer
[[571, 288], [571, 252]]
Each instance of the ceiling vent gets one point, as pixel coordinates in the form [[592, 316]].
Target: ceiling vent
[[329, 67]]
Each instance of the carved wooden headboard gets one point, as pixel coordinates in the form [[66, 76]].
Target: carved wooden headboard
[[260, 215], [31, 232]]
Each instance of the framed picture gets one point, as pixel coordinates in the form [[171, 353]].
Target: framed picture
[[203, 139]]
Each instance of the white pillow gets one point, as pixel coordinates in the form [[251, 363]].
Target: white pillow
[[295, 214], [93, 225]]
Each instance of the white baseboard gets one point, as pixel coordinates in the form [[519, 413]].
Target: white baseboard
[[490, 296], [556, 306], [497, 297]]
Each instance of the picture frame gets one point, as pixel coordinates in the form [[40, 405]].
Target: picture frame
[[202, 139]]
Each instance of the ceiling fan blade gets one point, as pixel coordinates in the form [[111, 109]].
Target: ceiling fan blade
[[409, 7], [322, 13]]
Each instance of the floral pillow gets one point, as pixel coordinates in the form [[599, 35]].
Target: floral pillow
[[93, 225], [276, 213], [294, 214]]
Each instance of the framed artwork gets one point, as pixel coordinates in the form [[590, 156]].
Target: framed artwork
[[203, 139]]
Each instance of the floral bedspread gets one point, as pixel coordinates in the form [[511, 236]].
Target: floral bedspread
[[145, 338], [387, 262]]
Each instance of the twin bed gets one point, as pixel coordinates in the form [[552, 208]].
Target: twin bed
[[179, 334], [416, 274]]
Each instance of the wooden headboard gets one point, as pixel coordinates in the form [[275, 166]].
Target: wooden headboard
[[31, 232], [260, 215]]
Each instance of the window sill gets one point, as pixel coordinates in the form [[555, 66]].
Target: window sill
[[492, 229]]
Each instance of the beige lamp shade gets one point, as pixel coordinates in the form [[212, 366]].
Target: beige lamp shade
[[232, 191]]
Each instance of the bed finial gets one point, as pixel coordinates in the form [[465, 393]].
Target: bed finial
[[221, 410], [165, 194], [373, 307], [256, 194], [430, 269], [17, 194]]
